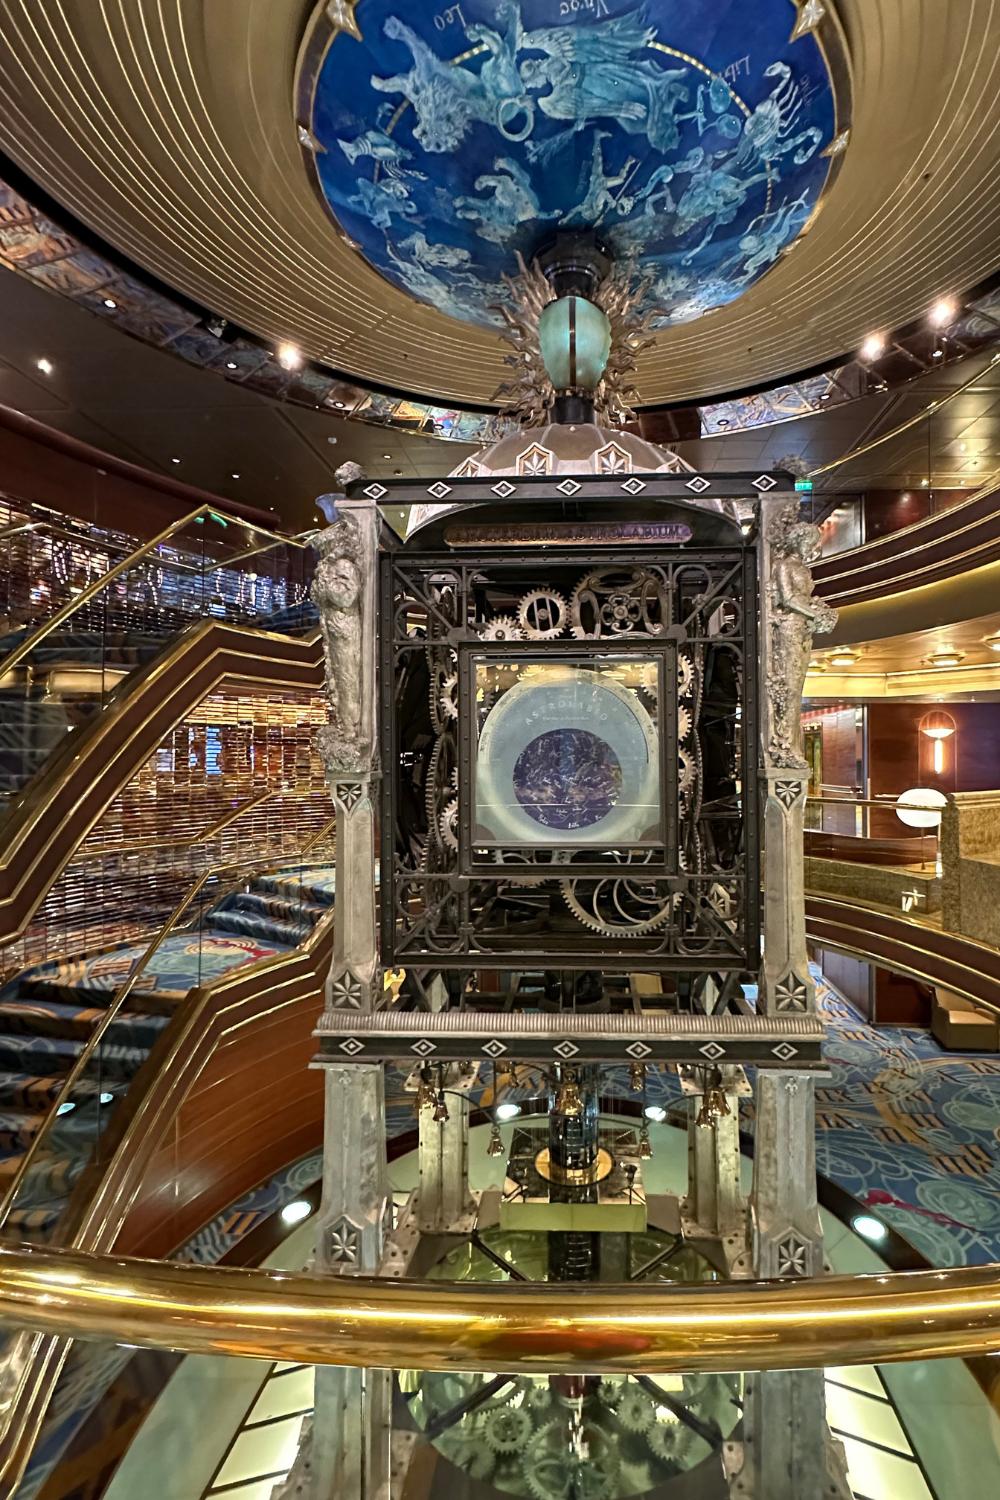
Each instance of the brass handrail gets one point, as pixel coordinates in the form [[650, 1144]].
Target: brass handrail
[[9, 662], [97, 1035], [534, 1329], [876, 802], [232, 816], [10, 1196]]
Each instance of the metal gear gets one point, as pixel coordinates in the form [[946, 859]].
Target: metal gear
[[634, 1409], [448, 823], [467, 1452], [507, 1429], [448, 698], [683, 722], [441, 663], [685, 771], [550, 1476], [503, 628], [543, 614], [669, 1440], [633, 908], [685, 675]]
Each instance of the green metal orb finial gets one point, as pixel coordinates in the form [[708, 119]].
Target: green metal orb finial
[[574, 336]]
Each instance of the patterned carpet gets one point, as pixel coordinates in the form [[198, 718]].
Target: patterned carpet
[[48, 1013]]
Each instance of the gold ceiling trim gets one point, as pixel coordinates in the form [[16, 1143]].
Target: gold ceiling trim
[[169, 127]]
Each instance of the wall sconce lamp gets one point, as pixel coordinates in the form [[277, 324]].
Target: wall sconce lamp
[[938, 727]]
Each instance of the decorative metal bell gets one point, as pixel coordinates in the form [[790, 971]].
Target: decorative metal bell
[[441, 1110], [495, 1146]]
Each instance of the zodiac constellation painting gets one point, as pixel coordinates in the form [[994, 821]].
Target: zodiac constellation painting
[[692, 135]]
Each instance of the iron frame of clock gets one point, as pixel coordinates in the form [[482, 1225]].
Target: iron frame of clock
[[469, 903]]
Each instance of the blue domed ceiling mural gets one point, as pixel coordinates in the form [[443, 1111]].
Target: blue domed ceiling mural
[[694, 136]]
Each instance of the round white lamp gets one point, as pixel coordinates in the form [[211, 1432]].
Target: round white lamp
[[920, 807]]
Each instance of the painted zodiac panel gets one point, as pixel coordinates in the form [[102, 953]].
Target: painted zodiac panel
[[693, 135]]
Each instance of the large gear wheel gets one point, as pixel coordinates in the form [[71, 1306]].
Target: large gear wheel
[[507, 1429], [683, 722], [616, 906], [685, 675], [634, 1409], [543, 614], [441, 663], [448, 823], [685, 772], [448, 697], [550, 1474], [503, 628]]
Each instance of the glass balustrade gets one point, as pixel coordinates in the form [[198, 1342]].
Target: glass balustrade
[[85, 610]]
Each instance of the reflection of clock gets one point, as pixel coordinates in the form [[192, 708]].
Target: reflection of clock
[[569, 758]]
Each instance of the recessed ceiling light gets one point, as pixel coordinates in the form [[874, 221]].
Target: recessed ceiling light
[[844, 658], [824, 395], [45, 365], [296, 1211], [869, 1228], [942, 312], [289, 357], [175, 460], [234, 476], [338, 403], [873, 346], [947, 658], [386, 455], [993, 641], [925, 482], [110, 302], [397, 472], [938, 354], [231, 364]]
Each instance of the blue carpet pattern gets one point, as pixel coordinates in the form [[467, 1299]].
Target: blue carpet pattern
[[48, 1013]]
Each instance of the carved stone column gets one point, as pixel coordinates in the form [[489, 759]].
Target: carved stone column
[[787, 1234], [348, 1451], [714, 1208], [790, 614]]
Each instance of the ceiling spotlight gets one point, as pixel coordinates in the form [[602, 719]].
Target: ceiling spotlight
[[844, 658], [289, 357], [873, 346], [398, 473], [655, 1112], [869, 1228], [296, 1211], [105, 1098], [723, 422], [508, 1110], [993, 641], [925, 482], [386, 455], [175, 460], [110, 302], [938, 354], [339, 403], [942, 313], [45, 365], [824, 396], [231, 364], [234, 476], [947, 658]]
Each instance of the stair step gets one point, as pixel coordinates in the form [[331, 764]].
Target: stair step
[[53, 1018], [97, 994], [45, 1056], [21, 1091], [261, 929], [269, 905]]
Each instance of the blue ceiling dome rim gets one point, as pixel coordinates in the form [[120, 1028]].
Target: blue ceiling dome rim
[[420, 265]]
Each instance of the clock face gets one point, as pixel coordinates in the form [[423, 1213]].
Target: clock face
[[567, 757]]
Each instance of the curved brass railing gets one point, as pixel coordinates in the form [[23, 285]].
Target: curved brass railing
[[194, 517], [603, 1329]]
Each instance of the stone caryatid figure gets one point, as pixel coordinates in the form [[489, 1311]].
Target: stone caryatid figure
[[337, 594], [796, 615], [340, 591]]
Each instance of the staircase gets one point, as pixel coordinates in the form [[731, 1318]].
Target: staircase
[[34, 718], [48, 1013]]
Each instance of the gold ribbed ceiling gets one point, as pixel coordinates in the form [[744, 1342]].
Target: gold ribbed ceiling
[[167, 126]]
